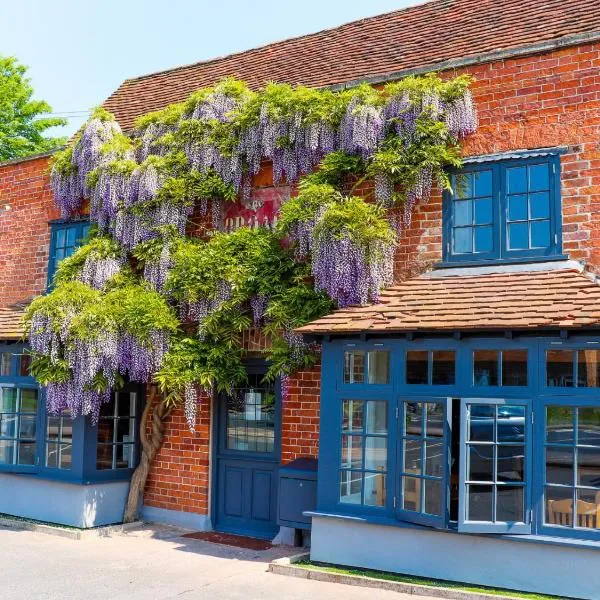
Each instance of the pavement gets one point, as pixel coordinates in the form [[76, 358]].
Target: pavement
[[154, 563]]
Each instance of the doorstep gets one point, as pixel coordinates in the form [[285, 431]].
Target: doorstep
[[72, 533], [285, 566]]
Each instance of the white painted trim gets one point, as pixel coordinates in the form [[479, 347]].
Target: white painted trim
[[534, 267], [187, 520]]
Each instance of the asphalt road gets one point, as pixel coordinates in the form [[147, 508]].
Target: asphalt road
[[152, 563]]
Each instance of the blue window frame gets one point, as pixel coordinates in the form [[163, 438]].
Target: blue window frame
[[504, 210], [65, 237]]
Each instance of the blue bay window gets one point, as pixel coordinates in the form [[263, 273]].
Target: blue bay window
[[65, 237], [510, 446], [504, 210]]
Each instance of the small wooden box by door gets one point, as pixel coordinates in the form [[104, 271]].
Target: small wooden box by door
[[297, 492]]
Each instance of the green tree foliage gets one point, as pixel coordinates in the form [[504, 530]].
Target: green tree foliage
[[21, 126]]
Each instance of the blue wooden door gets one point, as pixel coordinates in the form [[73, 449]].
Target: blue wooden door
[[247, 459]]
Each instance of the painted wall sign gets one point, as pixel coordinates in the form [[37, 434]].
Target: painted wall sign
[[260, 210]]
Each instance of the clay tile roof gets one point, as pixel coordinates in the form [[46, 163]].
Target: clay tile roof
[[424, 36], [10, 324], [563, 298]]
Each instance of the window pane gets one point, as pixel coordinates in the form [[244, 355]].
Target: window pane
[[484, 240], [29, 400], [124, 456], [511, 423], [412, 457], [483, 212], [376, 454], [559, 506], [350, 487], [377, 417], [352, 419], [481, 463], [514, 367], [354, 366], [379, 366], [540, 234], [26, 453], [7, 452], [517, 180], [52, 455], [375, 484], [510, 504], [518, 236], [588, 467], [8, 400], [559, 425], [463, 185], [463, 212], [480, 502], [588, 509], [27, 427], [414, 418], [104, 457], [66, 456], [463, 240], [433, 497], [71, 236], [560, 465], [126, 404], [106, 429], [411, 494], [588, 368], [417, 363], [435, 419], [24, 365], [511, 464], [559, 368], [588, 427], [126, 431], [6, 359], [517, 208], [539, 206], [352, 451], [483, 183], [60, 238], [443, 367], [8, 425], [485, 367], [434, 458], [481, 422], [539, 177]]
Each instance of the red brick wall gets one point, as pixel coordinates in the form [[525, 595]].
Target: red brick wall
[[26, 207], [530, 102]]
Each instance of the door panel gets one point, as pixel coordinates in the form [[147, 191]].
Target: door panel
[[233, 491]]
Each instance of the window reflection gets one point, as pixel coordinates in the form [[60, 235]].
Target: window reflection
[[371, 367]]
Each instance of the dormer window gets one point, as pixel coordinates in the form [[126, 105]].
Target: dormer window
[[504, 210]]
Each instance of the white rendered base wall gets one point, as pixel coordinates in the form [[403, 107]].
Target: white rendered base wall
[[62, 503], [535, 567], [178, 518]]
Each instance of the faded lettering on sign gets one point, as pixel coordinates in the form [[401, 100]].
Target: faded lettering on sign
[[260, 210]]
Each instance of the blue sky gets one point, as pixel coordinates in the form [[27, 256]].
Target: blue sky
[[79, 51]]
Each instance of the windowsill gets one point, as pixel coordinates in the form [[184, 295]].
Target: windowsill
[[67, 477], [525, 538], [449, 264]]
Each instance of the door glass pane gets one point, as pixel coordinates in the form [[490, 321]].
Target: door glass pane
[[588, 426], [559, 368], [379, 366], [588, 368], [352, 451], [560, 465], [511, 464], [354, 366], [251, 419], [376, 454], [510, 504], [559, 506], [377, 417], [435, 419], [350, 487], [433, 497], [514, 367], [588, 467], [411, 494], [560, 427], [588, 509], [375, 484], [352, 419], [417, 365], [413, 418], [443, 368], [485, 367], [480, 502], [481, 463], [481, 422], [511, 423]]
